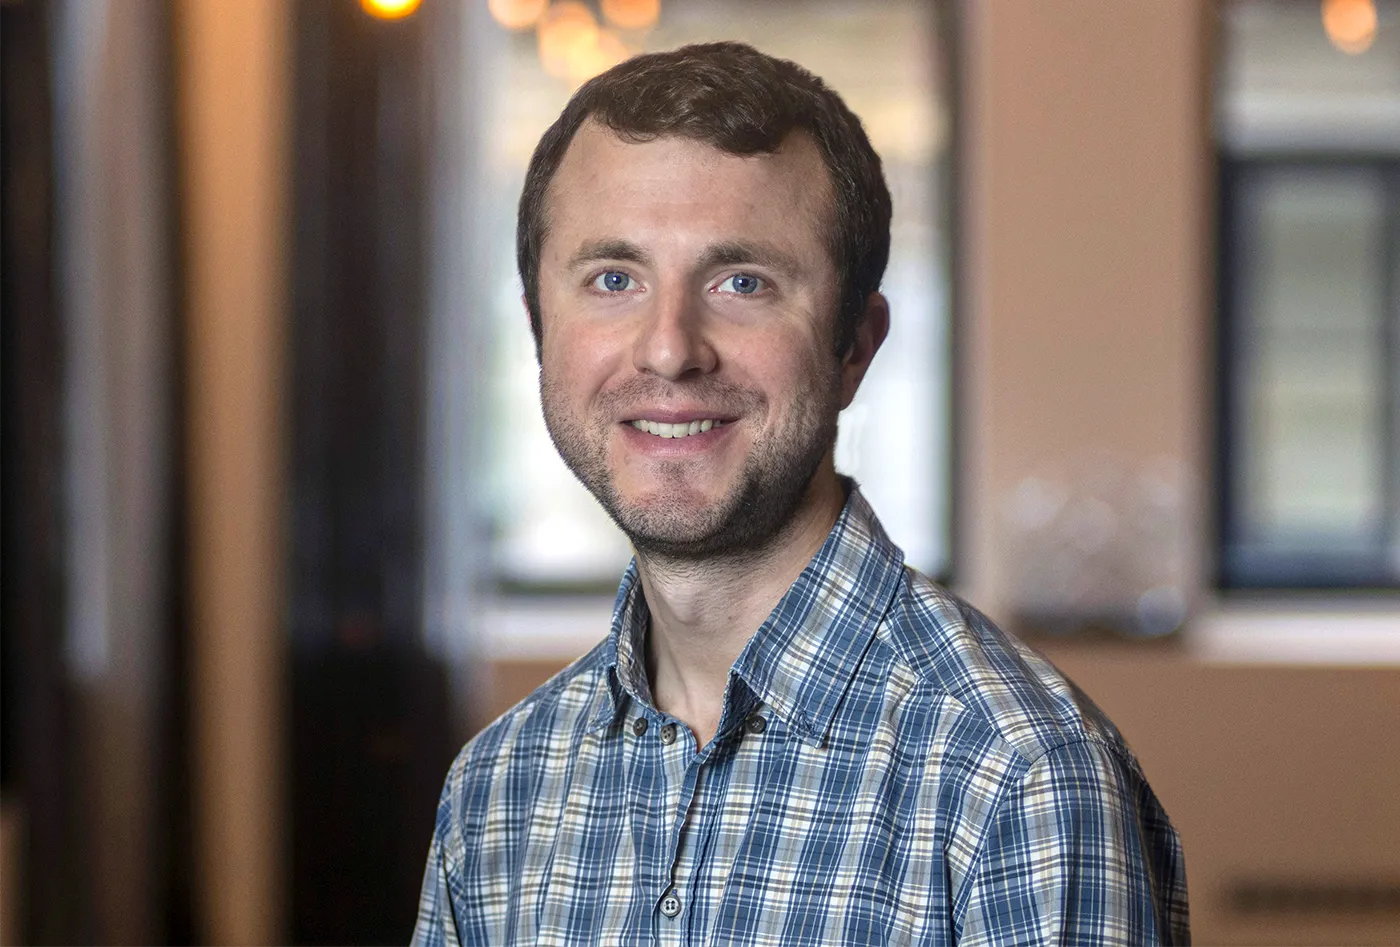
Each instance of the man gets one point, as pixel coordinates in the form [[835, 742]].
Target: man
[[788, 737]]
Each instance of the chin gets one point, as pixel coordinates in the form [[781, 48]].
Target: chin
[[683, 523], [738, 525], [671, 518]]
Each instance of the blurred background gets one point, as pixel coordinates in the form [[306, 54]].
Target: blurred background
[[282, 527]]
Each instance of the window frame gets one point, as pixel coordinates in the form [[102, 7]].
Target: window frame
[[1236, 567]]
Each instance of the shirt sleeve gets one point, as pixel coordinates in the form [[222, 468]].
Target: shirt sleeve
[[437, 925], [1077, 852]]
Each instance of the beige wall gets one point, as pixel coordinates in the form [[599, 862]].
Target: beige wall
[[1086, 215]]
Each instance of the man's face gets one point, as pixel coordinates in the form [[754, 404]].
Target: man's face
[[688, 304]]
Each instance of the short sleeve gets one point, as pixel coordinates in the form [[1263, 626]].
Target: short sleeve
[[1078, 851]]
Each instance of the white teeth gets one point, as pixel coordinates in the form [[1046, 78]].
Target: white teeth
[[683, 429]]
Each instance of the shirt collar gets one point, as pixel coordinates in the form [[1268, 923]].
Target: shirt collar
[[802, 659], [624, 659]]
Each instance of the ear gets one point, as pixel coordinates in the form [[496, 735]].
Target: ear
[[530, 328], [871, 330]]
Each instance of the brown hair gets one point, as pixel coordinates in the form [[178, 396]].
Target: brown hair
[[741, 101]]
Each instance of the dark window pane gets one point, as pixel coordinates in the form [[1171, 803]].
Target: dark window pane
[[1312, 360]]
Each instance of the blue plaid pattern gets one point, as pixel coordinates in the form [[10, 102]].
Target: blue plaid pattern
[[890, 768]]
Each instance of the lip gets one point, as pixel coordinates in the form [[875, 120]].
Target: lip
[[680, 416]]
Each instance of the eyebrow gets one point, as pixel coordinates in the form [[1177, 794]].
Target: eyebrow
[[609, 249], [740, 252]]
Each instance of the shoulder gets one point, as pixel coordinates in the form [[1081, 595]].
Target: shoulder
[[1008, 692], [1082, 837], [1036, 781]]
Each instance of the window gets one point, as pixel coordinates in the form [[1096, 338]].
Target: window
[[1309, 130], [886, 60]]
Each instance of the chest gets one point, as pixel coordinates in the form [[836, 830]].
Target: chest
[[763, 840]]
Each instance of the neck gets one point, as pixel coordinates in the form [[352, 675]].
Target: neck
[[704, 612]]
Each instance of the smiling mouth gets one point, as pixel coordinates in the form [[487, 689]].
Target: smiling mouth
[[682, 429]]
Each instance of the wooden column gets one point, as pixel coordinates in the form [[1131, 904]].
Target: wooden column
[[233, 76]]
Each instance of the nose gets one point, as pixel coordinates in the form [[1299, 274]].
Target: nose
[[673, 340]]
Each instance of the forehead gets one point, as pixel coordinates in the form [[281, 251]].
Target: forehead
[[605, 180]]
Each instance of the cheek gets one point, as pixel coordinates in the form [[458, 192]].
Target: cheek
[[794, 380], [801, 357], [578, 364]]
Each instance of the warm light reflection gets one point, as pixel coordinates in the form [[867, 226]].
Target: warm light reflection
[[566, 32], [390, 9], [631, 14], [517, 14], [1350, 24], [587, 60]]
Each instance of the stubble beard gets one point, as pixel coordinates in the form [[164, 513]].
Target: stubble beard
[[753, 514]]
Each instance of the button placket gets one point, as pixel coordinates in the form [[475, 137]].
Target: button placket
[[672, 735]]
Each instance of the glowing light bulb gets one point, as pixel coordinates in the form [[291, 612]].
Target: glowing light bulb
[[631, 14], [389, 9], [517, 14], [1350, 24], [587, 60]]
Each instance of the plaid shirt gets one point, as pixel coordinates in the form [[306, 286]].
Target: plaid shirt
[[890, 768]]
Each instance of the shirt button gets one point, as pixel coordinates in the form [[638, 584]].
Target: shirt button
[[668, 736], [756, 724], [670, 905], [639, 726]]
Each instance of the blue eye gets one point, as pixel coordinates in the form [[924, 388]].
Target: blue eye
[[742, 283], [613, 282]]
